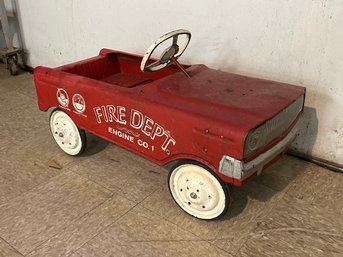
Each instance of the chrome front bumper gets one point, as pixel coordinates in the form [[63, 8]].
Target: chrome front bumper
[[239, 170]]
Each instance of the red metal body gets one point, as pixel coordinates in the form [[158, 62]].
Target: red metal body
[[165, 116]]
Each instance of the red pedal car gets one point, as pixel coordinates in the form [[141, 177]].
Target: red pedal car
[[209, 126]]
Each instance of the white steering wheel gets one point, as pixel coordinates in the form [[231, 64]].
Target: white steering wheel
[[171, 53]]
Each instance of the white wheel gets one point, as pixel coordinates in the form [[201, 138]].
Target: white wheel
[[198, 192], [67, 135]]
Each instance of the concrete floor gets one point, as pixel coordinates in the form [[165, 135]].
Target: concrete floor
[[110, 202]]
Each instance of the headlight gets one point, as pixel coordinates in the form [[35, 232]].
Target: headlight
[[272, 128]]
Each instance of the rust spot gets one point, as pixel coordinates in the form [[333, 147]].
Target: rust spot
[[228, 139]]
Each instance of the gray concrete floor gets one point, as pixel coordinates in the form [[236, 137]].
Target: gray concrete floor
[[110, 202]]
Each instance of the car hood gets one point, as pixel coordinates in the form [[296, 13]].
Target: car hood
[[238, 100]]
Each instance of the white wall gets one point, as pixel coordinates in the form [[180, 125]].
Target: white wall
[[294, 41]]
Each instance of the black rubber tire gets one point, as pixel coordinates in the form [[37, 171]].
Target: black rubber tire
[[223, 185], [82, 134]]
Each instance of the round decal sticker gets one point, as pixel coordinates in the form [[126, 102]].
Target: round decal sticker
[[62, 97], [79, 103]]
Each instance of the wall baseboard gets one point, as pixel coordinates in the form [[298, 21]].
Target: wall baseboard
[[320, 162]]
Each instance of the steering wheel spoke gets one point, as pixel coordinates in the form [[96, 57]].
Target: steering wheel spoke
[[175, 38], [157, 65], [172, 52]]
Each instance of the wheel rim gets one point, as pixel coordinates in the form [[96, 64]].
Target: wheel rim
[[65, 133], [197, 191]]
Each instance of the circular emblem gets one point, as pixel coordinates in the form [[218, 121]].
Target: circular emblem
[[254, 139], [62, 97], [79, 103]]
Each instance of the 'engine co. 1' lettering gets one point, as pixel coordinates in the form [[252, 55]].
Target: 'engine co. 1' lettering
[[136, 120]]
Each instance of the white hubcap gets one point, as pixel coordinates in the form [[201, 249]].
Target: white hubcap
[[65, 133], [197, 191]]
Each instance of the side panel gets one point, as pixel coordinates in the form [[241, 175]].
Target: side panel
[[124, 117]]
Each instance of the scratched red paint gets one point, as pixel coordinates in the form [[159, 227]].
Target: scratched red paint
[[165, 116]]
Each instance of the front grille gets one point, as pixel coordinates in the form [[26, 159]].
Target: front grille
[[269, 130]]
